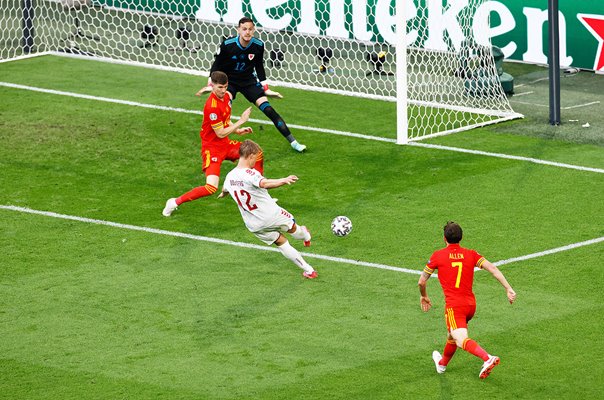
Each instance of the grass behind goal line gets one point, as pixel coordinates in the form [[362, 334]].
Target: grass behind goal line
[[98, 312]]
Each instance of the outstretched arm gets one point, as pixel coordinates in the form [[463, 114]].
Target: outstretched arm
[[275, 183], [222, 193], [424, 300], [492, 268], [223, 132]]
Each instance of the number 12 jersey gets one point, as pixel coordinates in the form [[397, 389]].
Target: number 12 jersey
[[258, 209]]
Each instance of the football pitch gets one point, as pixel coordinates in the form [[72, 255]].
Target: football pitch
[[101, 297]]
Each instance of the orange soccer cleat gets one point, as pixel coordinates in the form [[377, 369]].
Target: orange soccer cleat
[[488, 366], [310, 275]]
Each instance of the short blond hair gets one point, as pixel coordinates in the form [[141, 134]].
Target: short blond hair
[[249, 147]]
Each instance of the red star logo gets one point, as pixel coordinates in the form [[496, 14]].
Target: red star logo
[[595, 24]]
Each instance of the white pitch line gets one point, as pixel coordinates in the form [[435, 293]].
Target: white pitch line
[[507, 156], [183, 110], [532, 82], [201, 238], [266, 248], [545, 105], [581, 105], [538, 80], [552, 251], [97, 98], [307, 128], [522, 94]]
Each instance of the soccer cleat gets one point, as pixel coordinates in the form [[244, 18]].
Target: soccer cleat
[[310, 275], [298, 146], [437, 357], [307, 242], [170, 207], [488, 366]]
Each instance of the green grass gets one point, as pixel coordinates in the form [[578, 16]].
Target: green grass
[[90, 311]]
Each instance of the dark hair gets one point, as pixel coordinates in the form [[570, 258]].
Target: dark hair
[[453, 232], [219, 78], [245, 20], [249, 147]]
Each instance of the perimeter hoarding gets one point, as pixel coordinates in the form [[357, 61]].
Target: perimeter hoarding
[[519, 27]]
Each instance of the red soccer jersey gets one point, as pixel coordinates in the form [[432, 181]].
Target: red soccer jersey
[[455, 266], [216, 115]]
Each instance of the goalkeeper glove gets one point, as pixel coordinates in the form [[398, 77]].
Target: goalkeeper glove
[[270, 93], [205, 89]]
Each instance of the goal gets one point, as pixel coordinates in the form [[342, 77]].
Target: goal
[[440, 70]]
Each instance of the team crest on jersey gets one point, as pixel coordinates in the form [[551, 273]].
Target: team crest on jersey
[[213, 117], [250, 56]]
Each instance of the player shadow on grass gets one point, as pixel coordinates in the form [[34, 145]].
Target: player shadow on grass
[[446, 390]]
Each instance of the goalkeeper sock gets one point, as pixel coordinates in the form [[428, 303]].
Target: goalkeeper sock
[[474, 348], [277, 120], [196, 193], [259, 166], [448, 352], [294, 256]]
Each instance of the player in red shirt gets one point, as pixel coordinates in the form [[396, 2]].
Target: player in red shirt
[[455, 266], [215, 143]]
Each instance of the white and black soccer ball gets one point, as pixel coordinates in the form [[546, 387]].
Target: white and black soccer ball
[[341, 226]]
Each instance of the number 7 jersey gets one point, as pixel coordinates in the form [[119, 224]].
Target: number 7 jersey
[[455, 266], [258, 209]]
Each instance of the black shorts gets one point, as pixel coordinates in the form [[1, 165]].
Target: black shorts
[[251, 92]]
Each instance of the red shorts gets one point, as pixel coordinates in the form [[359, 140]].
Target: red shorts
[[212, 157], [458, 317]]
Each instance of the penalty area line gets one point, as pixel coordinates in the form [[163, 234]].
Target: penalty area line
[[201, 238], [507, 156], [185, 111], [551, 251], [303, 127], [266, 248]]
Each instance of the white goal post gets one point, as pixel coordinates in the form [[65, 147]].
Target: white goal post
[[439, 70]]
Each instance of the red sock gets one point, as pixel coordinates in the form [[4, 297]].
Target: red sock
[[474, 348], [196, 193], [259, 166], [448, 352]]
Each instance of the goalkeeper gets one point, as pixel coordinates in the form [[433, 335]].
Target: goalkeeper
[[242, 59]]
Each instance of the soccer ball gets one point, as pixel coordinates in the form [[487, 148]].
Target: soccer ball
[[341, 226]]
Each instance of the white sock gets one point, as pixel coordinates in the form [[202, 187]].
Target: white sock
[[294, 255], [300, 233]]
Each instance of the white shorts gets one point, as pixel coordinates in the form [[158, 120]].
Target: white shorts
[[282, 223]]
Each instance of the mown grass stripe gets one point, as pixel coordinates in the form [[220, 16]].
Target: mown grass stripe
[[266, 248], [309, 128]]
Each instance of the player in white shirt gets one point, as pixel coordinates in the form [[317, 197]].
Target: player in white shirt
[[261, 214]]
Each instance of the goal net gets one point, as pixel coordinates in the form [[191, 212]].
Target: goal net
[[440, 71]]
